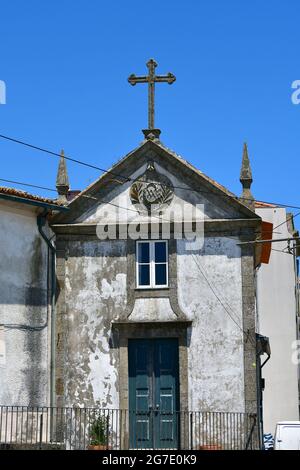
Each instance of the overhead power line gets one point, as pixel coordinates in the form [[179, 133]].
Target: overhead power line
[[292, 216], [29, 185], [227, 308], [121, 207], [125, 178], [281, 251], [95, 198], [277, 204], [272, 240], [232, 315], [50, 152]]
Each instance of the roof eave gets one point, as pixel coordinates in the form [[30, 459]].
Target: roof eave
[[32, 202]]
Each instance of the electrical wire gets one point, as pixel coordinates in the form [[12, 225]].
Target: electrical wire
[[229, 311], [95, 198], [83, 195], [126, 179], [123, 208], [127, 208], [232, 315], [281, 251], [29, 185], [50, 152], [293, 216], [16, 326]]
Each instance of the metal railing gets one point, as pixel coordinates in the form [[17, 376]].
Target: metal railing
[[23, 427]]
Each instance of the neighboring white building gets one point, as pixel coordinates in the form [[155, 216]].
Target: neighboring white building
[[25, 301], [278, 316]]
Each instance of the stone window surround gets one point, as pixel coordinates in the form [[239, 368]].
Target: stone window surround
[[152, 264], [169, 292]]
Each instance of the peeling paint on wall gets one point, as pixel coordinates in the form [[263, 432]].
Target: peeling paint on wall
[[95, 294], [216, 368], [2, 347]]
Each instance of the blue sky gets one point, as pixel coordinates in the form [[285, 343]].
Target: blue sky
[[65, 64]]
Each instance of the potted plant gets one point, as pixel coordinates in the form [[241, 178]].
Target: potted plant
[[99, 433]]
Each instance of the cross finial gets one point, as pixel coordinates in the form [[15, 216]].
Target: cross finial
[[151, 78], [246, 179]]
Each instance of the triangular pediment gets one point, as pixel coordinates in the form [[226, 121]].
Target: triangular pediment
[[115, 189]]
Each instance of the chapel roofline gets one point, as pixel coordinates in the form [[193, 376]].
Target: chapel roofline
[[120, 173]]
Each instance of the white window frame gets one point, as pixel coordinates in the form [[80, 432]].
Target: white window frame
[[152, 263]]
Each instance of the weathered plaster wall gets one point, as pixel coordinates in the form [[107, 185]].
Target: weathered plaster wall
[[95, 293], [23, 308], [157, 309], [97, 288], [215, 353]]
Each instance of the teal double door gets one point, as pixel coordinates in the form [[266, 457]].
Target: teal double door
[[153, 393]]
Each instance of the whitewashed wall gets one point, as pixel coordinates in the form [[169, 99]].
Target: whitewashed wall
[[216, 367], [96, 294], [23, 308], [277, 320]]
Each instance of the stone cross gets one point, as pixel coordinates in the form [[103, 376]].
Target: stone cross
[[151, 78]]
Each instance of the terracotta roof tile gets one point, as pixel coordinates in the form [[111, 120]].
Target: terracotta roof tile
[[261, 205], [25, 195]]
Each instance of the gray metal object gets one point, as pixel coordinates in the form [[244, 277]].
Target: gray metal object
[[251, 242], [41, 221]]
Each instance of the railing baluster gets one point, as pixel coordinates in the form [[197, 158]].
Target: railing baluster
[[22, 424], [29, 414], [37, 426], [5, 436], [11, 423], [47, 424], [17, 425], [1, 420]]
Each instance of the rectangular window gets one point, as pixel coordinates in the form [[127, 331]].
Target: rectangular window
[[152, 264]]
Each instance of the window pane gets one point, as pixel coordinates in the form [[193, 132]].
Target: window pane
[[160, 252], [144, 275], [160, 274], [143, 252]]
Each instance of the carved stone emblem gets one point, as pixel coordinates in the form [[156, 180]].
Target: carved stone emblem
[[152, 191]]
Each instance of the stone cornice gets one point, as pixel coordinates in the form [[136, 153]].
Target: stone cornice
[[221, 225]]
